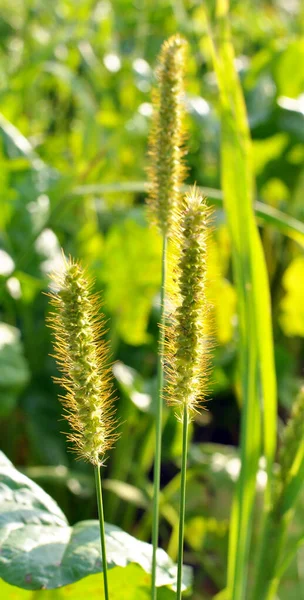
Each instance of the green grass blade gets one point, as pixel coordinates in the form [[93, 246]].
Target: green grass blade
[[271, 566], [268, 215], [256, 344], [295, 480], [288, 486], [158, 424], [289, 556]]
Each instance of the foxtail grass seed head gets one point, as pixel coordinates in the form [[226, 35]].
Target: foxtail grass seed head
[[189, 329], [166, 170], [82, 357]]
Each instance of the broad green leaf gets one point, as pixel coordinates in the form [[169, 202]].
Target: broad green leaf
[[133, 581], [291, 57], [39, 550], [11, 592]]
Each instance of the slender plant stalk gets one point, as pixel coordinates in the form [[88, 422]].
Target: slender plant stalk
[[166, 175], [187, 333], [158, 423], [102, 530], [182, 503]]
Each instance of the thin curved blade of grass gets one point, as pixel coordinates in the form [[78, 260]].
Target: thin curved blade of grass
[[289, 556], [271, 566], [295, 480], [288, 225], [268, 215], [257, 370]]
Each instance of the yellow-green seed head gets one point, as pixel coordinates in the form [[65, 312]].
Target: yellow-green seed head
[[188, 333], [82, 356], [166, 144]]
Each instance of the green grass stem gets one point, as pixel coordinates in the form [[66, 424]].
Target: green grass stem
[[158, 423], [102, 530], [182, 503]]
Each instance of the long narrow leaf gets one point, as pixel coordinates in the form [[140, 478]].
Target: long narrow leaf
[[268, 215], [256, 344]]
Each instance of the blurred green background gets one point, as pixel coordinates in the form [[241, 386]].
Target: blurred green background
[[75, 102]]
